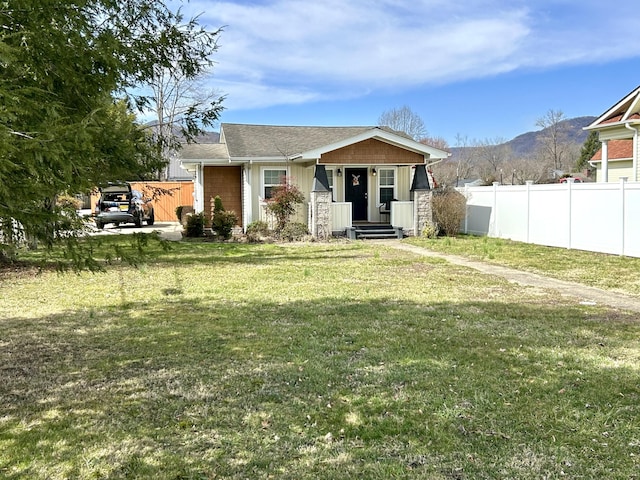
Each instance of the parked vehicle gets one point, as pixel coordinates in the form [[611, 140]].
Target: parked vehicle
[[575, 179], [118, 203]]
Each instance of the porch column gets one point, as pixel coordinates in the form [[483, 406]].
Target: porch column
[[320, 206], [605, 160], [422, 200], [198, 190]]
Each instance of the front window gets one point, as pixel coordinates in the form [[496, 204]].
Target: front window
[[387, 186], [330, 179], [272, 178]]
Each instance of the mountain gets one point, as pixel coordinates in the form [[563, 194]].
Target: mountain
[[525, 144]]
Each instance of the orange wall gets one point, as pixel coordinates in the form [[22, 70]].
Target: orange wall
[[164, 206]]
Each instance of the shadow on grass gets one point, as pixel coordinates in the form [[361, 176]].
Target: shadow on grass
[[190, 389]]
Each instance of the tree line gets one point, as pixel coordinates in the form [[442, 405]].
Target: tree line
[[493, 160]]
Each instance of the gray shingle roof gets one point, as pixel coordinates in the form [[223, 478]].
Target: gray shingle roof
[[204, 151], [282, 141]]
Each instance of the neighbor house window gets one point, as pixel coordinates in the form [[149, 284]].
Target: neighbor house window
[[387, 185], [330, 178], [272, 178]]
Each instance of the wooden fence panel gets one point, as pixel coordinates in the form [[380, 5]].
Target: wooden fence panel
[[164, 206]]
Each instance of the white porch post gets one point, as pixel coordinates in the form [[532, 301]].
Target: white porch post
[[247, 195], [198, 190], [605, 160], [635, 155]]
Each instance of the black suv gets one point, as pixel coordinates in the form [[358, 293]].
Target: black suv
[[118, 203]]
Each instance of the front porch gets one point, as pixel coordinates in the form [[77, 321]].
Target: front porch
[[327, 217]]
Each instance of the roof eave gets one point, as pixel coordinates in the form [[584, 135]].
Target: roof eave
[[609, 126]]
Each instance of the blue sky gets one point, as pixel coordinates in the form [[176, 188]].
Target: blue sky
[[484, 69]]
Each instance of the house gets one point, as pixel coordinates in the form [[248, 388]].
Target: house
[[349, 175], [618, 131]]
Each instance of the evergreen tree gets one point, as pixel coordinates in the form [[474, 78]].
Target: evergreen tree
[[589, 148], [67, 114]]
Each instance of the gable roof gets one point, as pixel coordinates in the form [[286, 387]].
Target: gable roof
[[616, 150], [241, 142], [246, 141], [308, 142], [627, 110]]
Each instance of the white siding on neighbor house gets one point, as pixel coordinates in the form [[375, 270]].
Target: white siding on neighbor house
[[598, 217]]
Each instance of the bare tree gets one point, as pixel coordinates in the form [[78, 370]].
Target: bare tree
[[491, 157], [554, 145], [180, 102], [436, 142], [403, 119], [459, 167], [523, 169]]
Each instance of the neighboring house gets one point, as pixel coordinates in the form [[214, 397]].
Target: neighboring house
[[618, 131], [362, 168]]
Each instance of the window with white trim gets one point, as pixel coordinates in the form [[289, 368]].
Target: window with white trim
[[272, 178], [330, 179], [386, 185]]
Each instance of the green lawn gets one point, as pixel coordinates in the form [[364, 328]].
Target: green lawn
[[345, 360], [612, 272]]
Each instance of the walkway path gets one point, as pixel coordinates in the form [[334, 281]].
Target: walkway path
[[583, 293]]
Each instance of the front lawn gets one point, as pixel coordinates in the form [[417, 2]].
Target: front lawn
[[600, 270], [321, 361]]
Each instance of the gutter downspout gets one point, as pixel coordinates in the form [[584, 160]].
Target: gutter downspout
[[635, 151]]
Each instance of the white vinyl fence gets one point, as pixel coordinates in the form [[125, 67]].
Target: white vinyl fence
[[597, 217]]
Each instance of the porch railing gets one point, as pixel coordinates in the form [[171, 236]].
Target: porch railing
[[402, 215], [340, 216]]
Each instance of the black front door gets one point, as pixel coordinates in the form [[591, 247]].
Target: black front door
[[356, 192]]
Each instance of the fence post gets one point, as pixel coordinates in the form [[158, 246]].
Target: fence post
[[466, 215], [570, 219], [623, 182], [528, 183], [493, 229]]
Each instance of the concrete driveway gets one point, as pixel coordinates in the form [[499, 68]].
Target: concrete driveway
[[167, 230]]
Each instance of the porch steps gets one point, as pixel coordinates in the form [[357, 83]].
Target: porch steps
[[373, 231]]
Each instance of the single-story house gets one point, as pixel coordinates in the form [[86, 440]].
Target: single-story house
[[618, 131], [367, 174]]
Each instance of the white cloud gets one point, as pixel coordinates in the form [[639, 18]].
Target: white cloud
[[275, 52]]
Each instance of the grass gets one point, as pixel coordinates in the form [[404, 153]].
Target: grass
[[611, 272], [318, 361]]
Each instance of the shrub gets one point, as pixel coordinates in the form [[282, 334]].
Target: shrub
[[257, 230], [283, 203], [222, 222], [217, 204], [179, 212], [430, 230], [293, 232], [68, 202], [449, 210], [195, 225]]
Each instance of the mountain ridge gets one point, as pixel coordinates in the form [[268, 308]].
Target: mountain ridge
[[526, 143]]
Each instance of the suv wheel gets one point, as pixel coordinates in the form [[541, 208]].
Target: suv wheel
[[152, 218], [99, 225], [138, 220]]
